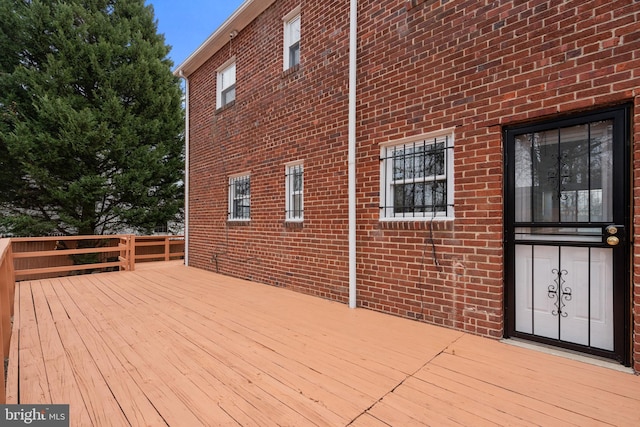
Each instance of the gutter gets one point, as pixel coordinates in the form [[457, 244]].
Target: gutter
[[353, 46], [186, 167]]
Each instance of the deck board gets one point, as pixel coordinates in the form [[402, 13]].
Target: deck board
[[64, 361], [12, 367], [171, 345], [31, 359]]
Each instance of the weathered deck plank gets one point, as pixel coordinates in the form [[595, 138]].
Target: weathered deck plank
[[136, 407], [64, 362], [33, 383], [177, 346]]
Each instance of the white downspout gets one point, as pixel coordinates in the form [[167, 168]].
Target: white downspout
[[353, 45], [186, 168]]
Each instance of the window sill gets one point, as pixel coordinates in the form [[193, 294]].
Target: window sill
[[290, 71], [437, 223], [238, 222], [226, 107], [410, 4], [294, 224]]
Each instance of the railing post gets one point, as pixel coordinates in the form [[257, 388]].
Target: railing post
[[132, 252], [167, 248], [12, 279], [7, 290], [121, 255]]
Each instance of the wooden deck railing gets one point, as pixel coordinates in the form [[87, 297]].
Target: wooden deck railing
[[7, 289], [158, 248], [45, 257], [61, 255], [27, 258]]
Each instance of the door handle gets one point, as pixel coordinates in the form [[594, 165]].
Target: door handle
[[613, 234], [612, 240]]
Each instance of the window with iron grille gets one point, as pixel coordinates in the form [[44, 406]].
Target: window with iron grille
[[240, 198], [417, 179], [292, 39], [294, 183], [226, 84]]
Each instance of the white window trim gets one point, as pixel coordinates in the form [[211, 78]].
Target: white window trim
[[232, 198], [386, 196], [295, 13], [219, 72], [288, 192]]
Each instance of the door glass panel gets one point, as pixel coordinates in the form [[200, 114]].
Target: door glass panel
[[573, 173], [565, 174], [601, 171], [536, 168], [523, 177], [546, 176], [564, 234]]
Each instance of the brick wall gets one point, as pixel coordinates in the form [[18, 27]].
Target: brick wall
[[473, 67], [278, 117]]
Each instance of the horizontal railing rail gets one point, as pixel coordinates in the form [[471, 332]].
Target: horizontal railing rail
[[45, 257], [61, 255]]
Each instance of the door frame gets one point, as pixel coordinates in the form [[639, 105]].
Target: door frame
[[622, 286]]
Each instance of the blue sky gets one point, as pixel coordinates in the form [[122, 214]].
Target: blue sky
[[186, 24]]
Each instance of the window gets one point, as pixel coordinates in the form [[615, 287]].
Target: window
[[240, 198], [226, 84], [292, 39], [417, 179], [294, 184]]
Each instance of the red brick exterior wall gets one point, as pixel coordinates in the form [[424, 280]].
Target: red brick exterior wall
[[277, 118], [423, 66]]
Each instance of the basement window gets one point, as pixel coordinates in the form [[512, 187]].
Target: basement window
[[417, 178], [294, 186], [240, 198]]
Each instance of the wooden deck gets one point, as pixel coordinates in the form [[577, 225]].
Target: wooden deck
[[171, 345]]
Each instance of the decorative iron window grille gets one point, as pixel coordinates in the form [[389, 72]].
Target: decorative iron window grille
[[294, 206], [417, 179], [240, 198]]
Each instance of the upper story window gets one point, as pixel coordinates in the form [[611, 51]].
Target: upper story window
[[417, 178], [240, 198], [294, 183], [226, 84], [292, 39]]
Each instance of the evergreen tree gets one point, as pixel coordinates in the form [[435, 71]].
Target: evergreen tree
[[91, 121]]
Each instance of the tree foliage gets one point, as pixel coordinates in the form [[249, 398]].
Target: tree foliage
[[91, 122]]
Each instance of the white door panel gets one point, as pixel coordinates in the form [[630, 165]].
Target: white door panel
[[574, 325], [602, 320], [565, 293], [545, 260]]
